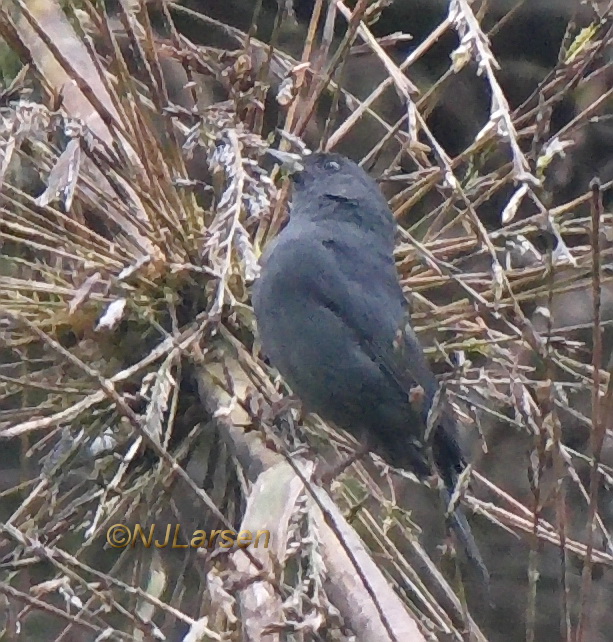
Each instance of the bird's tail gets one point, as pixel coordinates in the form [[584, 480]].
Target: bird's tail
[[450, 464], [463, 532]]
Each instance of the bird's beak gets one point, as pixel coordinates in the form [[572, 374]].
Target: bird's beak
[[290, 162]]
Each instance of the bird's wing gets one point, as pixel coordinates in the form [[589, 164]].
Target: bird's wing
[[362, 290], [365, 294], [372, 305]]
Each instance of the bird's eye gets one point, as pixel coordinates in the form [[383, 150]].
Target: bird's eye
[[332, 165]]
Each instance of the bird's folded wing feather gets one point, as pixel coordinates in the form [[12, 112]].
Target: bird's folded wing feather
[[370, 304]]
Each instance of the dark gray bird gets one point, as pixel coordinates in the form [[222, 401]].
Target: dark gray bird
[[333, 320]]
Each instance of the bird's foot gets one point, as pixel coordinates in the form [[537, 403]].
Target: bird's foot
[[433, 481], [285, 405], [326, 477]]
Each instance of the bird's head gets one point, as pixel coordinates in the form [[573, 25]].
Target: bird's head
[[331, 186]]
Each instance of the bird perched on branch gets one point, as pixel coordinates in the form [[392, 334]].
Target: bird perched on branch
[[333, 320]]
